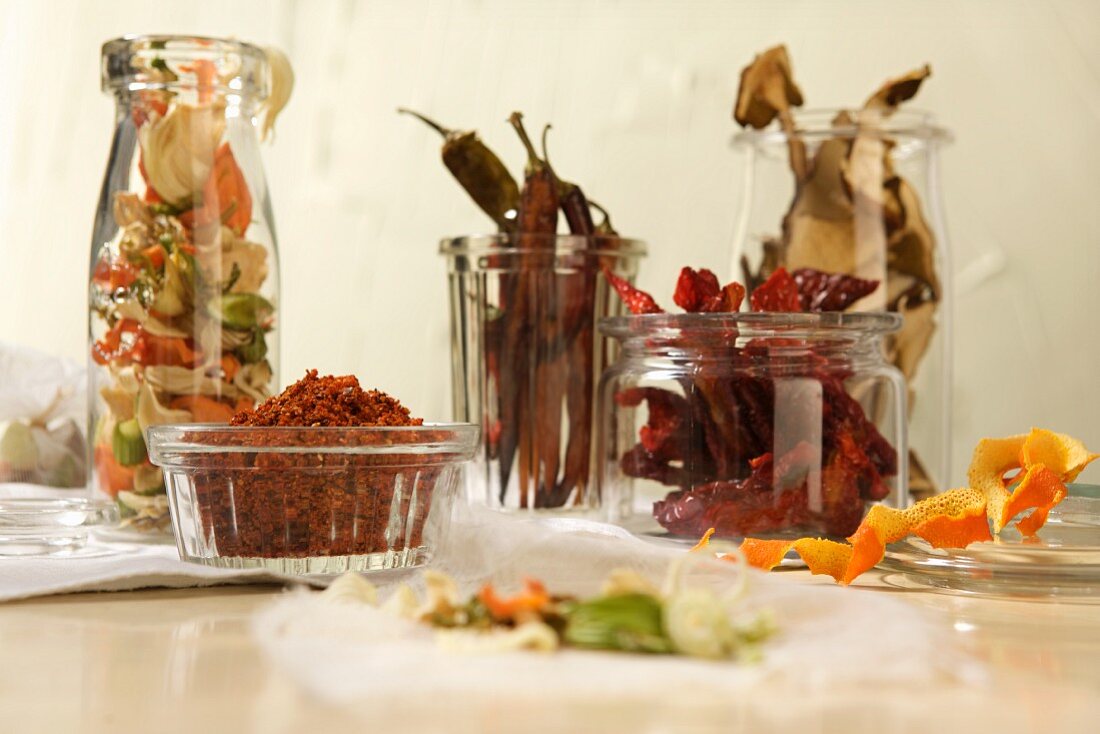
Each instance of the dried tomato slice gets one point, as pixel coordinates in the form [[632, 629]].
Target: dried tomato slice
[[821, 291], [637, 301], [779, 293]]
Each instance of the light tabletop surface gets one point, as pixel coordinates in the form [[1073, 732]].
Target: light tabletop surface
[[184, 661]]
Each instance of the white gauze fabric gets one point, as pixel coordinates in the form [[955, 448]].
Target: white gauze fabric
[[342, 649]]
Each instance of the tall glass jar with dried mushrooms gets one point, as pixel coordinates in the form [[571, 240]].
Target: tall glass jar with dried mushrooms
[[183, 286], [856, 191]]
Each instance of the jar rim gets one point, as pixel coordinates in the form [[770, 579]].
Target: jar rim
[[753, 324], [819, 124], [244, 75], [570, 244]]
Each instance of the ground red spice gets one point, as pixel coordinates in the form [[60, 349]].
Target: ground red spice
[[302, 503], [327, 401]]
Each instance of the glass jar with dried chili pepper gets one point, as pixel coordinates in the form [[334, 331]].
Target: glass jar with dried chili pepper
[[762, 424], [526, 357], [184, 290]]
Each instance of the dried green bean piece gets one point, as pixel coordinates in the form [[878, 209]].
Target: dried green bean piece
[[480, 172]]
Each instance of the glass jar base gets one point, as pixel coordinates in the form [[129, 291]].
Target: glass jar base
[[322, 565]]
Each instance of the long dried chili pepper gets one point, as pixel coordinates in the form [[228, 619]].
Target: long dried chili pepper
[[479, 170], [576, 294], [523, 361]]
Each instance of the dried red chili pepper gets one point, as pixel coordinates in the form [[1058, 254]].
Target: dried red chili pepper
[[779, 293], [529, 301], [821, 291], [695, 289], [636, 300]]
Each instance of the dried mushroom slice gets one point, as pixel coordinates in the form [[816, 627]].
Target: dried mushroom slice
[[907, 347], [895, 91], [912, 246], [768, 91], [818, 229]]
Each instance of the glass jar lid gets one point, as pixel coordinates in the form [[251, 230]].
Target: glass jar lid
[[493, 244], [752, 325], [817, 125]]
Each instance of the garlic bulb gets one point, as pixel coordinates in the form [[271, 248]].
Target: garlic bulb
[[178, 149], [282, 82]]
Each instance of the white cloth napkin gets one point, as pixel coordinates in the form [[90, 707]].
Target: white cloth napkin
[[108, 566], [343, 651]]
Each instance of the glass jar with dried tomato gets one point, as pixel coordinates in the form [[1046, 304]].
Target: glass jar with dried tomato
[[755, 424], [184, 287]]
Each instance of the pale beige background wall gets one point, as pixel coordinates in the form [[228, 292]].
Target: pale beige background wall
[[639, 93]]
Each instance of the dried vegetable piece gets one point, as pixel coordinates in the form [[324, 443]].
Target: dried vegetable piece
[[953, 519], [636, 300], [994, 458], [768, 91], [820, 291], [778, 293], [480, 172]]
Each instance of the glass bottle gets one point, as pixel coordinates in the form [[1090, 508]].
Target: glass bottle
[[754, 424], [870, 206], [184, 278]]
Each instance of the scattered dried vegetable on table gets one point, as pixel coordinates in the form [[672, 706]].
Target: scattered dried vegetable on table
[[851, 212], [1008, 476], [543, 325], [713, 441], [629, 615]]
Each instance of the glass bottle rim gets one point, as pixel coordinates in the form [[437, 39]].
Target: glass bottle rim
[[242, 66], [829, 324], [818, 124], [541, 244]]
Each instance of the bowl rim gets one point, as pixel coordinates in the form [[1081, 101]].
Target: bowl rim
[[165, 443]]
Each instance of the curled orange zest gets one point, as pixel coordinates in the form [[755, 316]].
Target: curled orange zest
[[954, 519], [532, 599]]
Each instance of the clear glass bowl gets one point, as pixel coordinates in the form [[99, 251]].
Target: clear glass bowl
[[755, 424], [311, 500], [526, 356], [33, 526]]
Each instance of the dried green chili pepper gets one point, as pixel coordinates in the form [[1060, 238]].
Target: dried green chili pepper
[[479, 170]]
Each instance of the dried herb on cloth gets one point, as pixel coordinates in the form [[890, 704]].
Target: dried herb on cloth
[[713, 441], [630, 614]]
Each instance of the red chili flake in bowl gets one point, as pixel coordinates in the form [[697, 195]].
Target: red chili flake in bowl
[[327, 401], [294, 503]]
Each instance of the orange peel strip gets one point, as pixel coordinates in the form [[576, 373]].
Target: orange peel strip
[[953, 519]]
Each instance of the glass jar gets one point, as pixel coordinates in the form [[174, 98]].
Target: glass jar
[[755, 424], [870, 206], [184, 285], [526, 355]]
